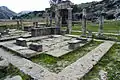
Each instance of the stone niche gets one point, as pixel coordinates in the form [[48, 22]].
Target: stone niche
[[74, 44], [36, 47], [21, 42]]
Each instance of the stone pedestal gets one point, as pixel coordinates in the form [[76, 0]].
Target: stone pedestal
[[21, 42], [36, 47], [69, 20], [74, 44], [84, 23]]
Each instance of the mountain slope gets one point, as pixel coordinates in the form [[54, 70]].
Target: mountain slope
[[23, 12], [6, 13], [109, 7]]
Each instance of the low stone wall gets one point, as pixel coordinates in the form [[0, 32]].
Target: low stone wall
[[44, 31], [82, 66]]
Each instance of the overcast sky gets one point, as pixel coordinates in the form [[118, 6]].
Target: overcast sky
[[32, 5]]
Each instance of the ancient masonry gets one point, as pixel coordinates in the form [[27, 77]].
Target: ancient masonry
[[74, 71], [84, 23], [101, 23]]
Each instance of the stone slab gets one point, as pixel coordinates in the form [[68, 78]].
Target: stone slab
[[14, 78], [23, 51]]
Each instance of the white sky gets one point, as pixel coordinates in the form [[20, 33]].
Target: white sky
[[32, 5]]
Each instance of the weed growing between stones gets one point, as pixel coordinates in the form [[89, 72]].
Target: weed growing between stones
[[12, 71], [110, 63]]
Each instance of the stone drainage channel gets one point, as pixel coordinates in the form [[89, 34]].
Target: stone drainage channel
[[74, 71]]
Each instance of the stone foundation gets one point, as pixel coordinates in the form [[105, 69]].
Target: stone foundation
[[44, 31]]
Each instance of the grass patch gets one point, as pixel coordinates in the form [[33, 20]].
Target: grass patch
[[76, 33], [12, 71], [109, 26], [105, 36], [54, 64], [110, 63], [109, 37]]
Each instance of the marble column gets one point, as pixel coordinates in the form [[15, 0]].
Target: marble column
[[56, 18], [101, 23], [51, 19], [69, 20], [18, 24], [46, 17], [84, 21], [21, 24]]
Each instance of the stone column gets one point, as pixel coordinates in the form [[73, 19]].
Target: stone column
[[101, 23], [84, 23], [56, 18], [21, 24], [69, 20], [51, 19], [33, 24], [18, 25], [36, 24], [46, 17]]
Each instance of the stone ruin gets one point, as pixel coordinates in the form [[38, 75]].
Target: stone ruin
[[61, 17], [101, 23], [84, 23], [37, 47], [21, 42], [63, 14], [49, 40]]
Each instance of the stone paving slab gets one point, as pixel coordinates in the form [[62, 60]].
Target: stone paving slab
[[82, 66], [34, 70], [61, 51], [23, 51], [56, 46], [7, 38], [14, 78]]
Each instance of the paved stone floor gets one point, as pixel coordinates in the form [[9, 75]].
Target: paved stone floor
[[55, 46], [13, 34]]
